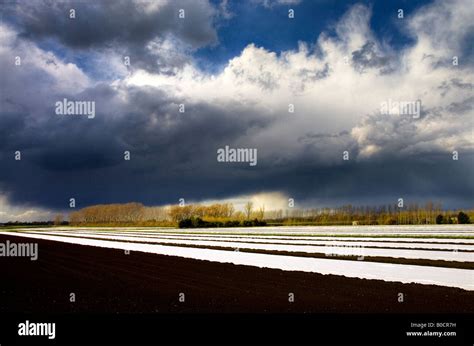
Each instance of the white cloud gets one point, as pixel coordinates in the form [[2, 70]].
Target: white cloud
[[337, 89], [9, 212], [64, 76], [272, 3], [37, 66], [441, 27], [331, 96], [267, 200]]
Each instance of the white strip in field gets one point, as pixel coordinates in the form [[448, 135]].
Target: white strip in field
[[458, 244], [284, 239], [377, 230], [335, 248], [176, 243]]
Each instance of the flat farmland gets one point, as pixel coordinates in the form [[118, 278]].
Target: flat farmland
[[268, 269]]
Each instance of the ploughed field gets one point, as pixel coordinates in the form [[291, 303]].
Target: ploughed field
[[269, 269]]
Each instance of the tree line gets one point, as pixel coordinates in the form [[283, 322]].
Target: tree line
[[391, 214], [127, 213], [138, 214], [222, 213]]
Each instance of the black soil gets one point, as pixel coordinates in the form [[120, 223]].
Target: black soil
[[108, 280]]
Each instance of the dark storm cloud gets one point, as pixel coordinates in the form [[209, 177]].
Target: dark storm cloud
[[166, 181], [173, 154], [107, 22], [11, 124], [378, 181], [131, 28]]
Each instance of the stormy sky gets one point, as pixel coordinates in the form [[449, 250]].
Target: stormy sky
[[237, 68]]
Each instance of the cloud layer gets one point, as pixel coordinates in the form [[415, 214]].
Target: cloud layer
[[336, 86]]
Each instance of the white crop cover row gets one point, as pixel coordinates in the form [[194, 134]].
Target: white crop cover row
[[331, 248], [287, 230], [184, 243], [224, 234], [372, 242]]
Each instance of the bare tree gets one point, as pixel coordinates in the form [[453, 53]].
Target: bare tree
[[230, 209], [58, 219], [261, 212], [248, 209]]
